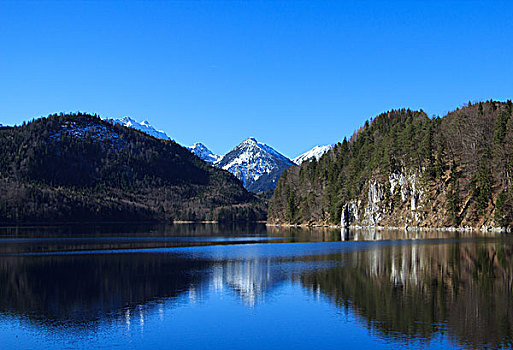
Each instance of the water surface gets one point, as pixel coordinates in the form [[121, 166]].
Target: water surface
[[252, 287]]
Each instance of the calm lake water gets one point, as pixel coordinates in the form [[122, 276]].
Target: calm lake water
[[252, 287]]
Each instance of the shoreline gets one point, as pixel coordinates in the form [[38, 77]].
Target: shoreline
[[401, 228]]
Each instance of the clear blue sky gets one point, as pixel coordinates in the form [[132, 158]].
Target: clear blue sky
[[293, 74]]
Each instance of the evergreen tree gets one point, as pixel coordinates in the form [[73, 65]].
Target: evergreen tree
[[482, 183]]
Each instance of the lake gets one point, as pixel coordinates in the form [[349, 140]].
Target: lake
[[207, 286]]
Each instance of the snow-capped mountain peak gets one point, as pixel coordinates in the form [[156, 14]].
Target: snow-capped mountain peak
[[315, 152], [250, 140], [204, 153], [256, 164], [144, 126]]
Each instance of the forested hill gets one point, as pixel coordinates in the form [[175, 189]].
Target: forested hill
[[79, 167], [403, 168]]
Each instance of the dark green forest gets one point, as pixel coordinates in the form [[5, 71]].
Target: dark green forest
[[403, 167], [78, 167]]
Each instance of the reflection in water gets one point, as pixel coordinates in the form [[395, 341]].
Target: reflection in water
[[415, 291], [80, 289], [250, 278], [402, 290]]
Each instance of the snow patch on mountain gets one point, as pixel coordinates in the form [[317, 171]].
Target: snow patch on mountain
[[204, 153], [144, 126], [315, 152], [96, 132]]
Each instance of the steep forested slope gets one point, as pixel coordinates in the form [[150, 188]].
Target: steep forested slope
[[79, 167], [405, 168]]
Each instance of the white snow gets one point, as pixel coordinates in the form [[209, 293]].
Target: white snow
[[250, 160], [204, 153], [315, 152], [144, 126], [97, 133]]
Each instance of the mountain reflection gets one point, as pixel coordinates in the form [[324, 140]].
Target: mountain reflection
[[250, 278], [414, 291], [83, 288], [79, 288]]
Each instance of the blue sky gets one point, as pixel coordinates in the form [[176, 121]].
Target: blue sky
[[293, 74]]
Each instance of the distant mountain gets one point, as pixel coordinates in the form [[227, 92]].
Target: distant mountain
[[257, 165], [144, 126], [79, 167], [204, 153], [315, 152]]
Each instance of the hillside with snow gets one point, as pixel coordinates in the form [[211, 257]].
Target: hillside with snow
[[144, 126], [257, 165], [315, 152]]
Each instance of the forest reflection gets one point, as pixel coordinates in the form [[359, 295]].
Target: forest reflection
[[418, 290]]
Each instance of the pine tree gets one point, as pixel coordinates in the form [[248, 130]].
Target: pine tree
[[501, 127], [500, 210], [482, 183], [453, 196]]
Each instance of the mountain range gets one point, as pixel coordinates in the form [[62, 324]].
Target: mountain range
[[257, 165], [400, 168]]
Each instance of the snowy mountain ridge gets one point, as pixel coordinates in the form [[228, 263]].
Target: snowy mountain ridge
[[144, 126], [204, 153], [256, 164], [315, 152]]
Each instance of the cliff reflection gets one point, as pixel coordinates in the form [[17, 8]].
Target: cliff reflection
[[331, 234], [414, 291]]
